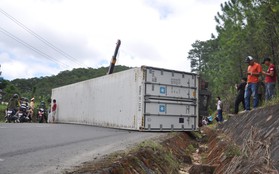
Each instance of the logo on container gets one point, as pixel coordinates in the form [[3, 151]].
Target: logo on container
[[162, 108], [162, 90]]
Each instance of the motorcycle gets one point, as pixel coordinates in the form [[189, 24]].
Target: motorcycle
[[11, 116], [23, 117], [40, 115], [23, 113]]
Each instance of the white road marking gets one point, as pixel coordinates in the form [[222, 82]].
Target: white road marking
[[1, 160]]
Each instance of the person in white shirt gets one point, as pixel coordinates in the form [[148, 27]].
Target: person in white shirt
[[219, 110]]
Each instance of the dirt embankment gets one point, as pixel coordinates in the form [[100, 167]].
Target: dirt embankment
[[246, 143], [161, 156]]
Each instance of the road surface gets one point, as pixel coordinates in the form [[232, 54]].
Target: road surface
[[52, 148]]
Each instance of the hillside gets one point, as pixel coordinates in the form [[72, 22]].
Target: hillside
[[256, 135], [41, 87]]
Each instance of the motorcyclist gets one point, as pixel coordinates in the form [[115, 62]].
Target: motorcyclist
[[24, 110], [24, 104], [13, 105], [42, 108], [26, 101]]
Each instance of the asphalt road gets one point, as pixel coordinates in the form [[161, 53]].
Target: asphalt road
[[52, 148]]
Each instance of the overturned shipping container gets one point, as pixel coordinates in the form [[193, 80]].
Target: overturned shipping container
[[146, 98]]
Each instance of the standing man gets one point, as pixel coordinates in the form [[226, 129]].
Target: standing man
[[270, 79], [32, 107], [253, 71], [53, 110], [219, 110], [240, 94]]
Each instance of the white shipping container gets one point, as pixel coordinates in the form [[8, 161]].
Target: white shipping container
[[144, 98]]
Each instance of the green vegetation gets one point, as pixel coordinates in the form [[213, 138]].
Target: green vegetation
[[196, 134], [40, 88], [160, 155], [274, 101], [151, 144], [204, 158], [190, 149], [244, 27], [2, 112], [232, 150]]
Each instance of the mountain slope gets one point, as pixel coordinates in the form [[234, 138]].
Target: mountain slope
[[41, 87]]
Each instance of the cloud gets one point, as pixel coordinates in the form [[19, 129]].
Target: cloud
[[164, 8], [154, 32], [19, 69]]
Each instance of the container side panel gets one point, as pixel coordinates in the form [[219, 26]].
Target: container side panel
[[110, 101]]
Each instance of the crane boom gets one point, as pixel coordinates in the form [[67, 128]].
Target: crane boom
[[113, 59]]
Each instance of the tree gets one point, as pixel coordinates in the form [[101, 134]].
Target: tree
[[244, 27], [41, 87]]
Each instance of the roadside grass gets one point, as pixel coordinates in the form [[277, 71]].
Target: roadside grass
[[273, 101], [151, 144], [232, 150], [197, 134], [2, 112], [147, 157], [190, 149]]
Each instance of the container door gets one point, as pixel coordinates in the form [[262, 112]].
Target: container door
[[170, 115], [170, 102]]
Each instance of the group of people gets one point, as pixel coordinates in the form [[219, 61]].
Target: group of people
[[250, 86], [219, 116], [19, 106]]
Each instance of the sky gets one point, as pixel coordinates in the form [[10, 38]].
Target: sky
[[43, 37]]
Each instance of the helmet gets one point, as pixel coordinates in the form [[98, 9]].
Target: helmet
[[248, 59], [15, 96]]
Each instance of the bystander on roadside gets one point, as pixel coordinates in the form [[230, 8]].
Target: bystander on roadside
[[240, 95], [32, 107], [253, 72], [53, 110], [270, 79], [219, 104]]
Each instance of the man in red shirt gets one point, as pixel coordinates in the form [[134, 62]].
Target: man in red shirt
[[253, 71], [270, 79], [53, 110]]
